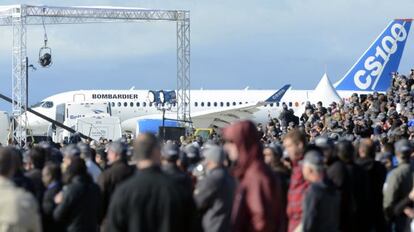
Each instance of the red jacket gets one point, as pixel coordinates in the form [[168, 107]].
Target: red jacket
[[258, 204]]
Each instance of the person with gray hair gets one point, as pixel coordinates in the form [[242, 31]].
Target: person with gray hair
[[112, 177], [321, 202], [214, 193], [86, 154]]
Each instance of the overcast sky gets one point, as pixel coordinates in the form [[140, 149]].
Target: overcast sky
[[262, 44]]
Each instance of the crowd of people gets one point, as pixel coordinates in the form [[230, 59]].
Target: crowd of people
[[345, 167]]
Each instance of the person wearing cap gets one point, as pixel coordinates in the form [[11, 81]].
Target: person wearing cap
[[112, 177], [214, 193], [399, 185], [169, 157], [322, 200], [149, 200], [193, 154], [273, 154]]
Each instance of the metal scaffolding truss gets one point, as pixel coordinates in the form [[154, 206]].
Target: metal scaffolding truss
[[19, 16]]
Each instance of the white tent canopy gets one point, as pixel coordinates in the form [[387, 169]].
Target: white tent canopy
[[324, 92]]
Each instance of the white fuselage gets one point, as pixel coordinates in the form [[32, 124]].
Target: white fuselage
[[129, 104]]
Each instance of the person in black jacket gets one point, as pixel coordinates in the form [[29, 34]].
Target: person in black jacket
[[34, 166], [170, 153], [51, 177], [336, 171], [149, 200], [118, 172], [19, 179], [79, 204], [358, 189], [375, 173]]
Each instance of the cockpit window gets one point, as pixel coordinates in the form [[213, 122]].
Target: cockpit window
[[47, 104]]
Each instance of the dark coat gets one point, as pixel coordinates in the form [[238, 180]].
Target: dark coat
[[214, 198], [35, 175], [321, 208], [375, 174], [111, 178], [150, 201], [22, 181], [80, 209], [179, 177], [338, 174], [48, 206], [359, 198]]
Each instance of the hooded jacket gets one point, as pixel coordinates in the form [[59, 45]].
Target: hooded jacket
[[258, 203]]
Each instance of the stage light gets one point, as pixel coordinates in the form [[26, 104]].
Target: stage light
[[45, 59], [162, 96], [45, 52], [152, 96]]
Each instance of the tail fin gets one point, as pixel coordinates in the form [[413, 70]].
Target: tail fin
[[276, 97], [372, 72]]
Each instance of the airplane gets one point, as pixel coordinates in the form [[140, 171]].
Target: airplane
[[371, 72]]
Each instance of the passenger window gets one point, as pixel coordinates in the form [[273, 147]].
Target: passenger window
[[113, 104], [137, 104], [202, 104], [277, 104], [228, 104], [221, 104], [208, 104], [234, 103], [119, 104], [144, 104], [195, 104], [131, 104], [215, 103], [290, 104], [240, 103], [125, 104], [271, 104]]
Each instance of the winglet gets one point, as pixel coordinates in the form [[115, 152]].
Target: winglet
[[276, 97]]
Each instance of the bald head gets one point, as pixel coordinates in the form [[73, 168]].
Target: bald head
[[147, 147]]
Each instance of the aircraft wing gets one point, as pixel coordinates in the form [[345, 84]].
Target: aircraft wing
[[222, 117], [217, 116]]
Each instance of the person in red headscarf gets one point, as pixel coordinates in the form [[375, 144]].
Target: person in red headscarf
[[258, 203]]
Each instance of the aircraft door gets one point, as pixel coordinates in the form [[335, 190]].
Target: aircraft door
[[60, 113]]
